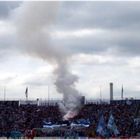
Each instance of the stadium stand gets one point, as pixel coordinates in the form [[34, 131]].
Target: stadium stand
[[27, 121]]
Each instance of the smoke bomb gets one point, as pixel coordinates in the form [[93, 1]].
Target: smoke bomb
[[34, 20]]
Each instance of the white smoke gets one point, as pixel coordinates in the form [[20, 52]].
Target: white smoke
[[33, 23]]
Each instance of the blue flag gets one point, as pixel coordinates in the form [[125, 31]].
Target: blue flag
[[101, 128], [112, 126]]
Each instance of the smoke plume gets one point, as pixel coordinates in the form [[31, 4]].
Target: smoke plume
[[33, 22]]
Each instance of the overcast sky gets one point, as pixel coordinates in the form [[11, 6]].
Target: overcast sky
[[103, 38]]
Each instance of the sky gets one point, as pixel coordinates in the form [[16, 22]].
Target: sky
[[103, 39]]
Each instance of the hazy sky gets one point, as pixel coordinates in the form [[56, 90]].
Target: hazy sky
[[103, 38]]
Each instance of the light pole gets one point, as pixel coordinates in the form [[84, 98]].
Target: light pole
[[4, 93], [48, 95]]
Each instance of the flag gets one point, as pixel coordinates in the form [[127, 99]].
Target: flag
[[26, 92], [83, 121], [112, 126], [50, 125], [101, 128]]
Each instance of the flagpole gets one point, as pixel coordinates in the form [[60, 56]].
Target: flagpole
[[100, 95], [122, 93]]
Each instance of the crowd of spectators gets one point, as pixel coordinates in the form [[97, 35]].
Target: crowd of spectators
[[27, 120], [124, 115]]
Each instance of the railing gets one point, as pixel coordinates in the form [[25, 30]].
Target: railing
[[53, 102]]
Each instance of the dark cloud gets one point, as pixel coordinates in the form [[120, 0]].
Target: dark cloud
[[113, 42], [119, 20], [7, 46], [99, 14], [7, 6]]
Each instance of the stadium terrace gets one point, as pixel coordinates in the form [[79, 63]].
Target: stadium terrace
[[118, 119]]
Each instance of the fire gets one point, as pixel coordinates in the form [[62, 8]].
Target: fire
[[70, 115]]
